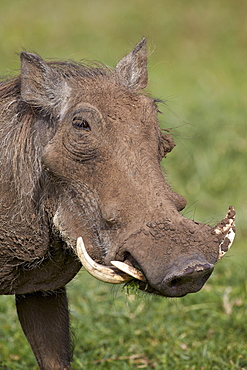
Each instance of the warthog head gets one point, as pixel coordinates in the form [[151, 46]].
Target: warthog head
[[102, 182]]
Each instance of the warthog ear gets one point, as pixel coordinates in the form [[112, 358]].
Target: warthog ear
[[132, 69], [41, 85]]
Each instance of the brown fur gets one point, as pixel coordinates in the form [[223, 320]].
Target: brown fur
[[80, 156]]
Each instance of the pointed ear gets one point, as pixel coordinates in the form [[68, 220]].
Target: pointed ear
[[132, 69], [41, 85]]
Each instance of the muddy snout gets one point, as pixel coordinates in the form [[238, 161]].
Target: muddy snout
[[170, 257], [187, 277]]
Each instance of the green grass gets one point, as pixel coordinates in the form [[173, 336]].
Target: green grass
[[113, 330], [197, 64]]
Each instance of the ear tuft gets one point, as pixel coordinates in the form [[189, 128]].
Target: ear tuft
[[132, 69], [41, 85]]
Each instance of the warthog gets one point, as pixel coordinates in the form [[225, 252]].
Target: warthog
[[81, 184]]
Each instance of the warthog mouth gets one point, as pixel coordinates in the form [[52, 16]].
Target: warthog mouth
[[125, 272], [118, 273]]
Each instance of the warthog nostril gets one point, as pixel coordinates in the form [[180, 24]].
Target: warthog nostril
[[187, 280], [176, 282]]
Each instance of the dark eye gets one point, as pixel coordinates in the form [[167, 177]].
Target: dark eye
[[81, 124]]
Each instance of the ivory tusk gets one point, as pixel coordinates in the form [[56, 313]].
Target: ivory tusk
[[226, 244], [100, 272], [130, 270], [226, 229], [227, 223]]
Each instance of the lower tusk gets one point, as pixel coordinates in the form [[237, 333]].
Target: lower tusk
[[130, 270], [100, 272]]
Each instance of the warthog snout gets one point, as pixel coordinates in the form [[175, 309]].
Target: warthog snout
[[189, 277], [172, 272]]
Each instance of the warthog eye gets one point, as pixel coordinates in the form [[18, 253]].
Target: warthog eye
[[81, 124]]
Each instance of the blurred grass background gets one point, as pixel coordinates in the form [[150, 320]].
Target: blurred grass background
[[197, 64]]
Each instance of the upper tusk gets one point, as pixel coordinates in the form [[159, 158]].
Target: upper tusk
[[227, 223], [100, 272], [226, 244], [226, 229], [130, 270]]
